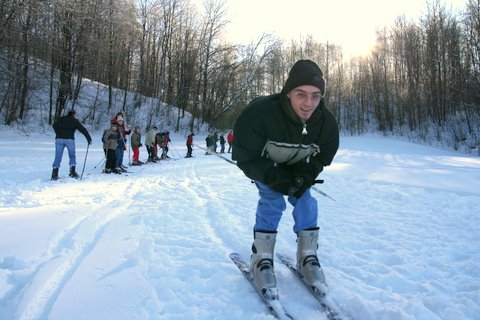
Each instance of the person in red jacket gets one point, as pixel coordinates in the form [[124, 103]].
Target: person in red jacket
[[189, 145], [230, 141]]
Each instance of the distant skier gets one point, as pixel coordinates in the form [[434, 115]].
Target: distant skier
[[230, 140], [222, 144], [65, 128], [136, 143], [189, 145], [165, 139], [282, 142], [209, 143], [123, 132], [111, 137], [150, 144]]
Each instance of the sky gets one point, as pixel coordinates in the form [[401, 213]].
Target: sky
[[349, 23]]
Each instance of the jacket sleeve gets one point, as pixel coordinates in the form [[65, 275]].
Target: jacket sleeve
[[329, 141], [250, 139], [83, 130]]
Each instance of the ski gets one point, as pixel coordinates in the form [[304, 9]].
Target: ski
[[318, 293], [270, 298]]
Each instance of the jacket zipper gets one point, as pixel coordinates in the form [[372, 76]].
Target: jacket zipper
[[304, 131]]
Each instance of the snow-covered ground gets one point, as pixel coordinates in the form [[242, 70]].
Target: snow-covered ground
[[401, 241]]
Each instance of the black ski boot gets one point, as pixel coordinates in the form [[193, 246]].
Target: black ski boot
[[73, 173], [55, 174]]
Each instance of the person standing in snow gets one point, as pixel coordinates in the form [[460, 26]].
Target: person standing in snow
[[282, 142], [123, 132], [230, 141], [150, 143], [165, 139], [189, 145], [110, 145], [209, 144], [222, 144], [65, 128], [136, 143]]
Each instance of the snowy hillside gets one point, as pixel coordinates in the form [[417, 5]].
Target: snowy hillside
[[400, 242]]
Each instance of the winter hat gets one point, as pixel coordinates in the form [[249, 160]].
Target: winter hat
[[71, 112], [114, 123], [304, 72]]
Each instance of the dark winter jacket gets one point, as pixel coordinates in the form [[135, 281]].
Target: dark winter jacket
[[66, 126], [136, 139], [209, 141], [111, 138], [268, 132]]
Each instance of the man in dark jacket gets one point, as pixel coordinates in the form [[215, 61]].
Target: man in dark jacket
[[282, 142], [65, 129]]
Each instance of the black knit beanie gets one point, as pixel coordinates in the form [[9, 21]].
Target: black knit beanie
[[304, 72]]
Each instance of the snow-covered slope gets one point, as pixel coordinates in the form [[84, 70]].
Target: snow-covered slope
[[401, 241]]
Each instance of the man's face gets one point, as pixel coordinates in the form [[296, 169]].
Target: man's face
[[304, 100]]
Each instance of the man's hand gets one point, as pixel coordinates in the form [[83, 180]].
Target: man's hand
[[279, 178], [304, 177]]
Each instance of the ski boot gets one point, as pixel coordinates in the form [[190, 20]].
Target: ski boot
[[261, 263], [55, 174], [73, 173], [307, 260]]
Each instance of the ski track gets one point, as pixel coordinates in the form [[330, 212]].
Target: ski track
[[164, 247], [34, 300]]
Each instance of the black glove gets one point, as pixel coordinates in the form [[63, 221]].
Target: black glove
[[304, 177], [279, 178], [141, 145]]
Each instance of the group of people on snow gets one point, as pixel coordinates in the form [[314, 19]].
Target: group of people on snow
[[212, 145], [114, 141]]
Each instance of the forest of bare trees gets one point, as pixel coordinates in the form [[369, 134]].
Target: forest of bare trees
[[421, 80]]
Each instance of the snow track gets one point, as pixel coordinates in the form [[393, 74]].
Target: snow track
[[64, 256]]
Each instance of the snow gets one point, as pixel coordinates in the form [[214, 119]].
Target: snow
[[400, 241]]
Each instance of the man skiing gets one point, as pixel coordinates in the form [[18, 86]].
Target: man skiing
[[65, 128], [282, 142]]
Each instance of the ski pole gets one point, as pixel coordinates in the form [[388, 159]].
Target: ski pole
[[99, 163], [175, 149], [85, 161], [216, 154]]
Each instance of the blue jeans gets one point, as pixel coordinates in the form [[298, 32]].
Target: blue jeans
[[119, 157], [272, 204], [60, 145]]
